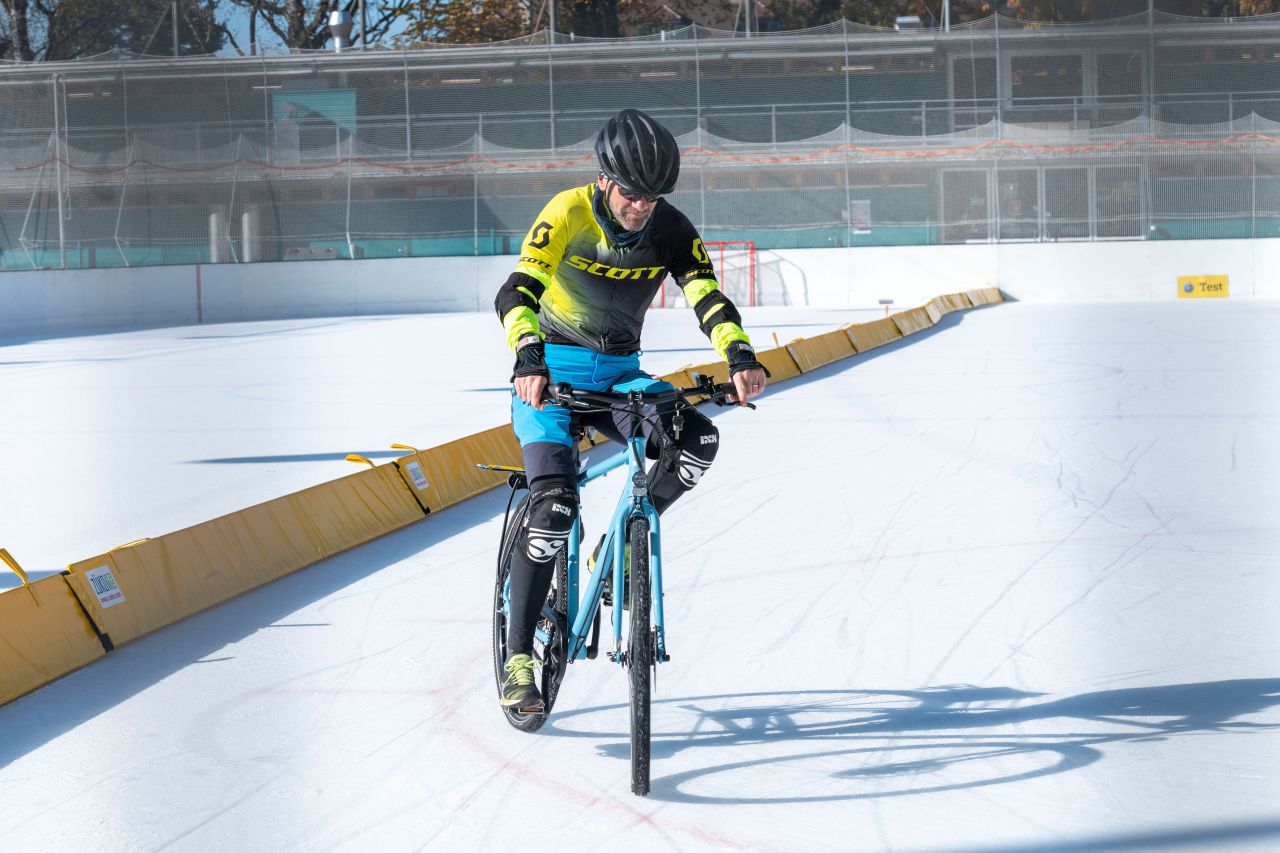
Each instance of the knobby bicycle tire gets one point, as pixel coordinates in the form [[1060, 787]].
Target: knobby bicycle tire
[[553, 655], [640, 655]]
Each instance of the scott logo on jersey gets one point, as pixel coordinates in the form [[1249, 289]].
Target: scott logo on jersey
[[597, 268]]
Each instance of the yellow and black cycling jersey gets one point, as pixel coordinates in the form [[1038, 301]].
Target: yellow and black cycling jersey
[[575, 285]]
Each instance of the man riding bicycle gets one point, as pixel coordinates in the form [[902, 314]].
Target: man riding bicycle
[[573, 311]]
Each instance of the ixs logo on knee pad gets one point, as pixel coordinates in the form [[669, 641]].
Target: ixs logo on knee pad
[[708, 439], [561, 508], [541, 550], [691, 469]]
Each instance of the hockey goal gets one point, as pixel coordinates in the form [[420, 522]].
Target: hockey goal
[[735, 264]]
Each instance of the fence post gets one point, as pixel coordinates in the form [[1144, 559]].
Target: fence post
[[59, 148], [551, 92], [351, 249], [700, 133], [999, 83], [846, 153], [408, 124], [124, 190], [475, 186]]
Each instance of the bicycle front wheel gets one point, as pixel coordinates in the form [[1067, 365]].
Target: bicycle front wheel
[[640, 655]]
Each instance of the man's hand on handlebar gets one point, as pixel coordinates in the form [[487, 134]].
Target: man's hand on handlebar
[[748, 374], [530, 375], [748, 384], [531, 389]]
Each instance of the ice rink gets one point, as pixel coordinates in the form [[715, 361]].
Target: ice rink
[[1007, 585]]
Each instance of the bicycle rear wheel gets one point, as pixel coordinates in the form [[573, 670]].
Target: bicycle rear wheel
[[640, 655], [552, 654]]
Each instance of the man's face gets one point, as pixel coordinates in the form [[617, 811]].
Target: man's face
[[631, 211]]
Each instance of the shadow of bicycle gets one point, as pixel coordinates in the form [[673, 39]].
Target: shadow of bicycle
[[911, 742]]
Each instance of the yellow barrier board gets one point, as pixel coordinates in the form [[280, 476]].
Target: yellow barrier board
[[950, 302], [912, 321], [877, 333], [821, 350], [138, 588], [679, 378], [1203, 287], [443, 476], [985, 296], [780, 364], [43, 636], [717, 370]]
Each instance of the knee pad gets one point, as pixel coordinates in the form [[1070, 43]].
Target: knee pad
[[552, 510], [695, 450]]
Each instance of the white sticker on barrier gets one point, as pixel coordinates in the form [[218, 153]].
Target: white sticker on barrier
[[419, 478], [105, 586]]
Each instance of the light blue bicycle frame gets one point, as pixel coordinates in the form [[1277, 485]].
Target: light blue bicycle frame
[[633, 502]]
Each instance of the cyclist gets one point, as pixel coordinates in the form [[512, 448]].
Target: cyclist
[[573, 310]]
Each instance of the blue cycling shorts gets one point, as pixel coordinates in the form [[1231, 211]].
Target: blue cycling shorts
[[581, 368]]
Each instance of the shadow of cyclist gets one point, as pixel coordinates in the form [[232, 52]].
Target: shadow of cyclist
[[888, 733]]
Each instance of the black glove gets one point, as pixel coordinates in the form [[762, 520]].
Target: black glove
[[531, 359], [741, 357]]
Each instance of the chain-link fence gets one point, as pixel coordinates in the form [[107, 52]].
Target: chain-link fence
[[1141, 128]]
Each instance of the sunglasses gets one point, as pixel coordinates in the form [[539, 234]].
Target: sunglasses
[[634, 197]]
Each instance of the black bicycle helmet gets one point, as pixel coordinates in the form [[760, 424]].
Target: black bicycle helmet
[[639, 154]]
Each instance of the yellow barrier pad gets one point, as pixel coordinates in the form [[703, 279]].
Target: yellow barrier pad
[[912, 321], [679, 378], [43, 635], [717, 370], [138, 588], [951, 302], [877, 333], [443, 476], [820, 350], [985, 296], [780, 364]]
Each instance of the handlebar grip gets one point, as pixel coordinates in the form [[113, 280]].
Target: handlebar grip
[[552, 393]]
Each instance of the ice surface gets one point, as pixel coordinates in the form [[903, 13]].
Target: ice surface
[[1008, 585]]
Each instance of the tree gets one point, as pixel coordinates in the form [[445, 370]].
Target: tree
[[466, 21], [47, 30], [18, 26], [1096, 10], [304, 25], [480, 21], [1074, 10]]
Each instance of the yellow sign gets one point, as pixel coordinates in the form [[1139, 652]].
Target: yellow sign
[[1202, 287]]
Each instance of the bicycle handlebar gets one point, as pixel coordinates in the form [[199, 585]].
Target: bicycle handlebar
[[577, 399]]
